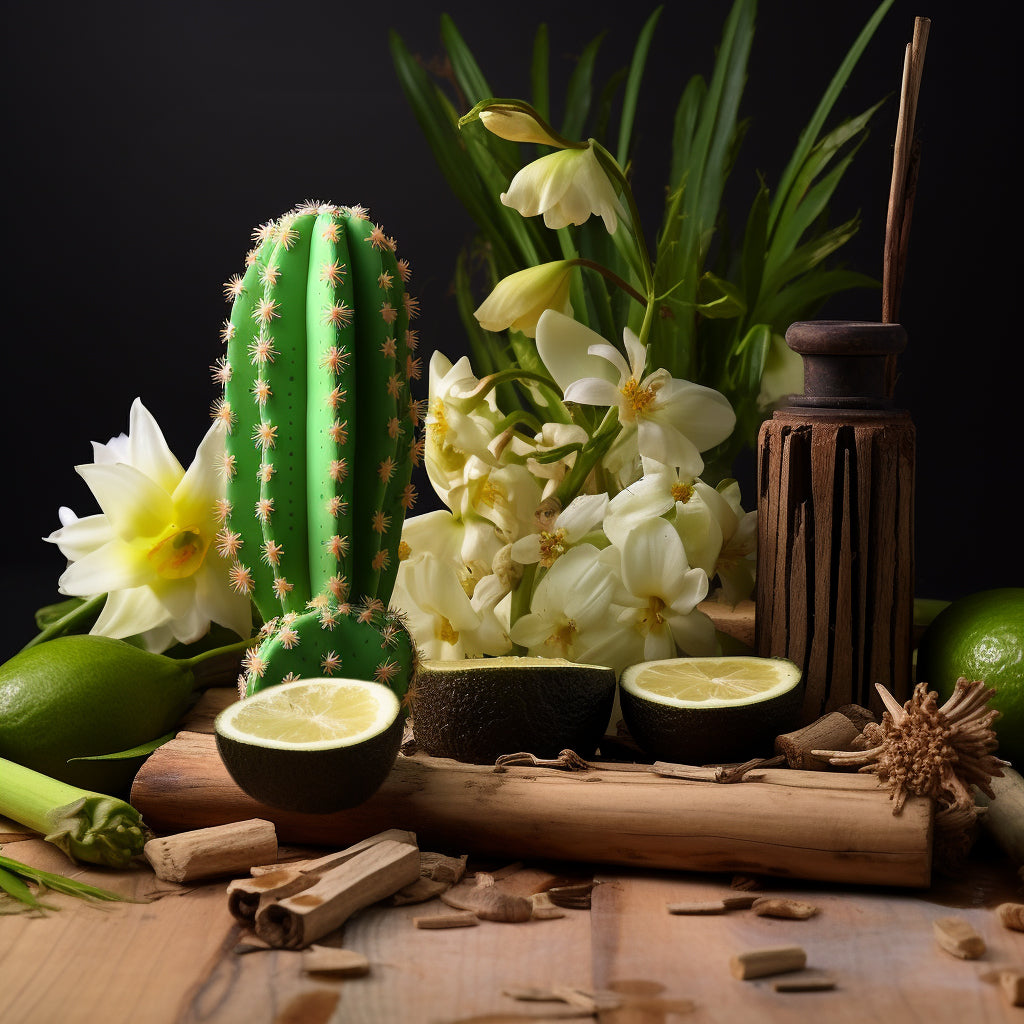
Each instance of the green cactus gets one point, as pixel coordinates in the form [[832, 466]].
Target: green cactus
[[321, 445]]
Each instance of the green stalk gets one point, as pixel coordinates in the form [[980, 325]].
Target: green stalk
[[14, 875], [88, 827], [70, 622]]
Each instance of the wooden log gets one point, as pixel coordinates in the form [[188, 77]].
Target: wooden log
[[1004, 816], [813, 825], [838, 730]]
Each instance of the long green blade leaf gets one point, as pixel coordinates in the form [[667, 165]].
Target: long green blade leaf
[[580, 90], [636, 72]]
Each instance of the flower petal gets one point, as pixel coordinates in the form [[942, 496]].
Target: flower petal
[[78, 538], [653, 560], [148, 451], [203, 484], [217, 600], [134, 504], [563, 345], [115, 566], [592, 391], [702, 414], [129, 612]]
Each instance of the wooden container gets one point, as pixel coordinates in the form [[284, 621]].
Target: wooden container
[[835, 556]]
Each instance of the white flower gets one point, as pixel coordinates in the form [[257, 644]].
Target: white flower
[[735, 564], [571, 613], [551, 436], [517, 126], [518, 300], [567, 187], [581, 516], [675, 420], [150, 550], [688, 503], [662, 592]]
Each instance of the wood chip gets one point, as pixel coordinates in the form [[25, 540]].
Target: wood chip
[[489, 903], [741, 901], [1011, 983], [345, 963], [761, 963], [746, 883], [777, 906], [957, 936], [706, 907], [575, 896], [460, 919], [805, 983], [1011, 915], [544, 909]]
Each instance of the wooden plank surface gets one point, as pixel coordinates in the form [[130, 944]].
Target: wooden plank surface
[[174, 960]]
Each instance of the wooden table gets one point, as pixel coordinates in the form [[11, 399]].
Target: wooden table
[[175, 958]]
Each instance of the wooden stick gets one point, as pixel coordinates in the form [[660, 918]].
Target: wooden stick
[[246, 894], [956, 935], [761, 963], [814, 825], [225, 849], [906, 159], [298, 921]]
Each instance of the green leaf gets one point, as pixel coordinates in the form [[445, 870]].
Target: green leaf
[[51, 613], [555, 454], [17, 889], [718, 299], [59, 883], [580, 91], [799, 299], [629, 99], [810, 254], [684, 127], [467, 72], [748, 360], [755, 244], [813, 129], [143, 750]]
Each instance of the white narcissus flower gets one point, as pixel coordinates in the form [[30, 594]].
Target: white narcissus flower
[[518, 300], [735, 565], [150, 549], [567, 187], [516, 126], [581, 516], [571, 613], [675, 420], [552, 435], [662, 592]]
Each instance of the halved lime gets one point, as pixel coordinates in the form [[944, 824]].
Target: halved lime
[[709, 710], [313, 745]]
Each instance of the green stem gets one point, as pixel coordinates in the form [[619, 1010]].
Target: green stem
[[70, 622], [87, 826], [588, 458], [613, 277], [523, 594], [218, 667], [611, 166], [516, 373]]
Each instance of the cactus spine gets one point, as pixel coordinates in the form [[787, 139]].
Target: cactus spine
[[321, 445]]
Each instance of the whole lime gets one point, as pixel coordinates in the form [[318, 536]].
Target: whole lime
[[981, 636], [83, 696]]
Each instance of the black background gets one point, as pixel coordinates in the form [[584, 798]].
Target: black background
[[144, 141]]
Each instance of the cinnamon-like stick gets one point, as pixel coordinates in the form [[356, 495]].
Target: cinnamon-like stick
[[298, 921]]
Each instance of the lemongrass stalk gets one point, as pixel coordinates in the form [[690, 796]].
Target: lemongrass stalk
[[90, 827], [24, 873]]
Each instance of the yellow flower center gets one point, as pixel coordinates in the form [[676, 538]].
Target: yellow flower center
[[651, 618], [178, 552], [638, 398], [562, 637], [682, 492], [551, 546], [439, 426], [448, 633]]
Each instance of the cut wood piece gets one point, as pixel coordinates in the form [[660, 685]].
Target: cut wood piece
[[740, 901], [957, 936], [460, 919], [318, 865], [345, 963], [762, 963], [489, 903], [1011, 983], [298, 921], [777, 906], [828, 826], [697, 907], [805, 983], [544, 909], [212, 852], [267, 883], [1011, 915]]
